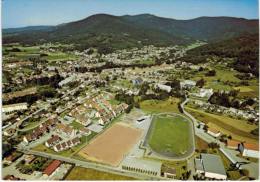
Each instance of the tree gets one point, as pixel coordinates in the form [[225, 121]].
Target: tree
[[200, 68], [200, 83], [211, 73]]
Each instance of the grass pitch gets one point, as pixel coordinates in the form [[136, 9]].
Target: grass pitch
[[79, 173], [170, 135]]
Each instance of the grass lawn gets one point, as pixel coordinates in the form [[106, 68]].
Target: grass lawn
[[147, 61], [238, 129], [123, 83], [233, 175], [222, 74], [170, 135], [25, 55], [57, 56], [114, 102], [76, 125], [79, 173], [201, 144], [249, 91], [180, 166], [159, 106], [31, 125]]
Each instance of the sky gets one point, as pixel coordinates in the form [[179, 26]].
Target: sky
[[20, 13]]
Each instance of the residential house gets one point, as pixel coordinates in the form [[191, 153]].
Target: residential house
[[14, 107], [35, 134], [9, 132], [12, 157], [66, 130], [164, 87], [204, 93], [233, 144], [85, 131], [67, 144], [52, 141], [187, 84], [52, 167], [168, 172], [29, 158], [103, 120], [249, 150], [137, 81], [213, 132], [12, 178]]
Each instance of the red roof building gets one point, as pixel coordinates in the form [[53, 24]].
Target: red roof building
[[52, 167], [233, 144]]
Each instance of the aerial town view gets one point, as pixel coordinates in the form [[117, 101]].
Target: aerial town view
[[130, 90]]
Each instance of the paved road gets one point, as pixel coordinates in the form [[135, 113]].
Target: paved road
[[92, 165], [252, 167]]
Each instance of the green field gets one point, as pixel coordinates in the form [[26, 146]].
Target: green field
[[238, 129], [79, 173], [76, 125], [158, 106], [170, 135]]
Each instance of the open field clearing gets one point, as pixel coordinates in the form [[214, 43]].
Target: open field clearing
[[239, 129], [201, 144], [79, 173], [249, 91], [235, 136], [131, 117], [170, 135], [111, 146], [244, 89], [222, 119], [217, 82], [158, 106]]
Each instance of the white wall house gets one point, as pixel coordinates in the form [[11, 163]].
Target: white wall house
[[164, 87], [204, 93], [213, 132], [249, 150], [14, 107]]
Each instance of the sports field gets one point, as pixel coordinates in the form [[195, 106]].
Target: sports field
[[170, 135], [111, 146]]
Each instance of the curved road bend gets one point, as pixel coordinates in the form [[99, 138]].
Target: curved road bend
[[230, 154], [185, 156]]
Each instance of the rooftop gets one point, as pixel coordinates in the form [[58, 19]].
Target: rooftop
[[213, 163], [213, 130], [143, 164], [52, 167], [233, 143], [251, 146]]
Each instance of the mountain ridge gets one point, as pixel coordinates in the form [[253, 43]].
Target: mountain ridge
[[110, 31]]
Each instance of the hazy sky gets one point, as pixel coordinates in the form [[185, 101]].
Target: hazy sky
[[18, 13]]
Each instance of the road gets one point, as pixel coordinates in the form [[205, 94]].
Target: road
[[92, 165], [252, 167]]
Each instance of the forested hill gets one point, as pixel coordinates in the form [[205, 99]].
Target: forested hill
[[112, 32], [244, 49]]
